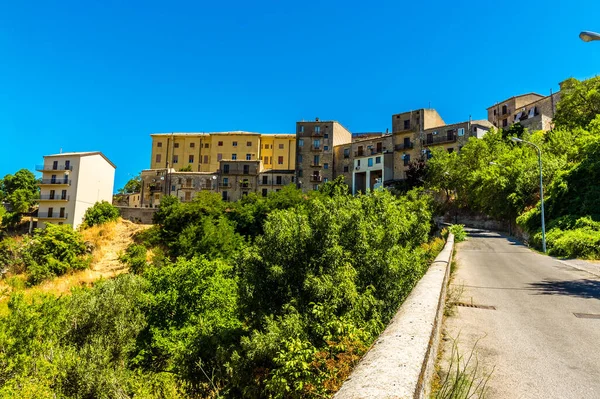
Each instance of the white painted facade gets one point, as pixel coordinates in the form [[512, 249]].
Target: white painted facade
[[71, 183], [366, 165]]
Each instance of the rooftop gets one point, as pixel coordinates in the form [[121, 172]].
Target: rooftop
[[518, 96], [81, 154]]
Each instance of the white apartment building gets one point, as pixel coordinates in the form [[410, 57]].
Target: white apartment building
[[71, 183]]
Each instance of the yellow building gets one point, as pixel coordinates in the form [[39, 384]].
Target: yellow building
[[202, 152]]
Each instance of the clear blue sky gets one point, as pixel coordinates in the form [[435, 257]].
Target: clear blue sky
[[103, 75]]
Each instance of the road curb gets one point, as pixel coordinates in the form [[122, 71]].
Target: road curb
[[401, 362]]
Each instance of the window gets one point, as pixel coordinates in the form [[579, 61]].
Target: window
[[293, 178], [51, 194], [450, 150], [325, 135], [358, 162], [270, 160], [248, 157], [504, 122], [159, 144], [175, 158], [264, 192], [248, 144], [173, 188], [494, 112], [317, 129], [191, 159], [157, 160], [316, 160], [246, 169], [278, 180], [325, 166], [265, 180], [266, 160], [207, 145], [220, 144], [234, 157], [325, 180], [67, 165], [50, 211], [430, 138], [346, 152], [300, 129], [345, 169], [206, 159], [226, 181], [406, 158], [370, 162], [379, 147], [299, 158], [281, 146], [406, 124], [192, 145], [226, 168], [175, 145], [315, 187], [326, 148], [377, 159], [461, 131], [280, 160], [300, 142], [234, 143], [317, 143], [450, 134], [504, 110], [63, 194], [359, 151], [225, 198]]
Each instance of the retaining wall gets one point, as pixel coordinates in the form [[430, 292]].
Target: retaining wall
[[137, 215]]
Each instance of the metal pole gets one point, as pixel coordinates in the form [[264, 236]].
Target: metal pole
[[542, 198]]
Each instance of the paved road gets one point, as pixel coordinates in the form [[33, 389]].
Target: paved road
[[539, 348]]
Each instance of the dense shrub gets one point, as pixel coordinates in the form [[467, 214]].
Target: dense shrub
[[54, 251], [459, 232], [135, 257], [101, 212]]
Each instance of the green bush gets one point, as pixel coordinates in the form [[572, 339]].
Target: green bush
[[54, 251], [575, 243], [459, 232], [99, 213], [135, 258]]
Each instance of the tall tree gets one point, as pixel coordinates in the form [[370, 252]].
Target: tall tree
[[134, 185], [579, 103], [20, 192]]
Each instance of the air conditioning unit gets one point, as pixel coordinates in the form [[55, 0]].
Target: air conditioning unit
[[423, 151], [357, 168]]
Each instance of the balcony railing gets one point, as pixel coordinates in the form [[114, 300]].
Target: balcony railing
[[316, 148], [56, 181], [315, 178], [50, 197], [439, 139], [271, 183], [224, 185], [245, 184], [317, 134], [44, 168], [316, 165], [404, 146], [52, 215]]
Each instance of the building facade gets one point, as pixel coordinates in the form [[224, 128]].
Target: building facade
[[71, 183], [533, 111]]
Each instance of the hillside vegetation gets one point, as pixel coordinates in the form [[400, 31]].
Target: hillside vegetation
[[275, 297], [500, 178]]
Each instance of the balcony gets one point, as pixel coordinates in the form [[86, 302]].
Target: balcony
[[359, 153], [52, 215], [316, 148], [316, 165], [404, 146], [65, 182], [317, 134], [206, 187], [155, 189], [224, 185], [440, 139], [49, 168], [316, 178], [50, 197], [244, 184]]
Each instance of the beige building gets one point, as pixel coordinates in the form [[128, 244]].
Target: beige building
[[533, 111], [315, 142], [71, 183]]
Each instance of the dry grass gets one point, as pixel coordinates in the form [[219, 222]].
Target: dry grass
[[109, 241]]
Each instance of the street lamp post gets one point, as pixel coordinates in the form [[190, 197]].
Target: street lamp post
[[539, 152], [588, 36]]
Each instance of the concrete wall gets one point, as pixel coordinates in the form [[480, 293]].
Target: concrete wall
[[94, 183], [137, 215]]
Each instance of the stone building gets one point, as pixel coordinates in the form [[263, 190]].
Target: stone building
[[533, 111], [315, 142]]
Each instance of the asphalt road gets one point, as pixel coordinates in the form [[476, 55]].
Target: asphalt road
[[538, 347]]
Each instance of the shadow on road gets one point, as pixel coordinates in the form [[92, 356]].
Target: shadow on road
[[585, 288]]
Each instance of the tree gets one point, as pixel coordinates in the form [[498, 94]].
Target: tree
[[20, 192], [134, 185], [100, 213], [579, 103]]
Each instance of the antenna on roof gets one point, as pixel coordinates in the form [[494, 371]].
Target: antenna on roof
[[429, 104], [60, 150]]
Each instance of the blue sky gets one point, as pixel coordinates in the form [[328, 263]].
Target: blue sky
[[86, 76]]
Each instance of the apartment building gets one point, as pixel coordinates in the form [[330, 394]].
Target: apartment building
[[533, 111], [71, 183], [315, 142]]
